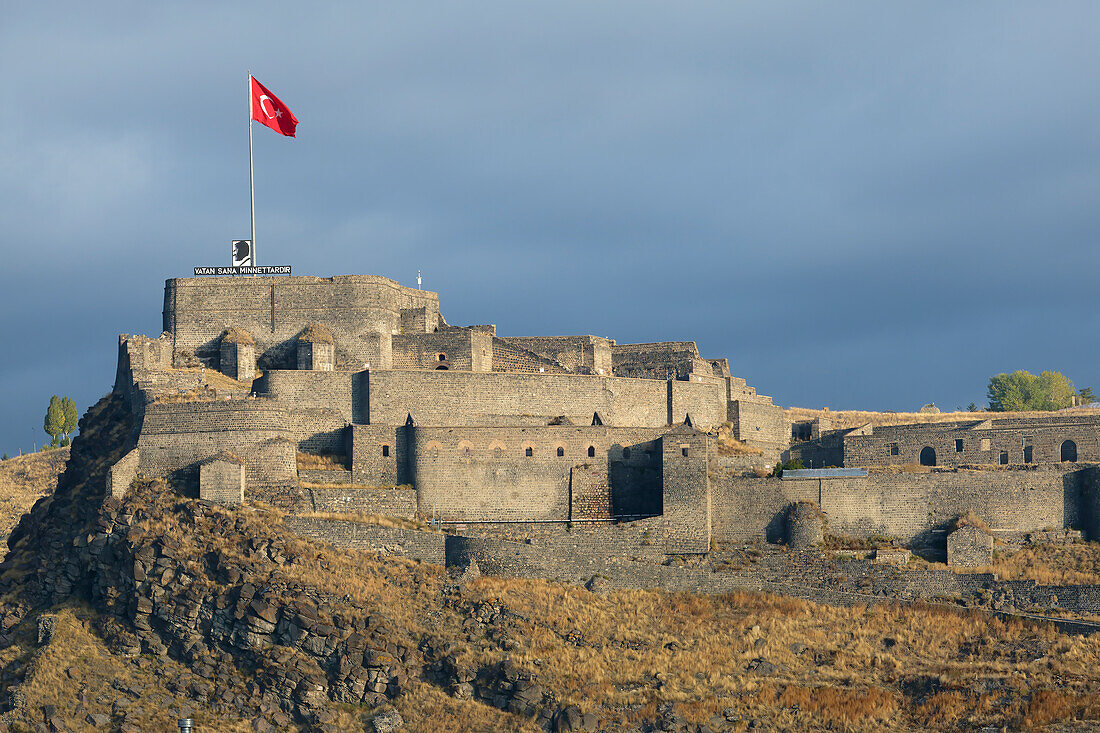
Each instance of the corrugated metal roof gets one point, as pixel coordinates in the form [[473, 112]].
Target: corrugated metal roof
[[800, 473]]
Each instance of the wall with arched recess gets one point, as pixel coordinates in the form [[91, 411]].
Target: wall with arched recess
[[976, 442]]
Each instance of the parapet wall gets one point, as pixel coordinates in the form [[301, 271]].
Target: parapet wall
[[578, 354], [471, 398], [273, 310], [994, 441], [914, 507], [176, 437]]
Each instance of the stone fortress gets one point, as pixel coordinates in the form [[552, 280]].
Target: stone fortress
[[352, 395]]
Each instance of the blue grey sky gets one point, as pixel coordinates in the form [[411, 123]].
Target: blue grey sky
[[862, 205]]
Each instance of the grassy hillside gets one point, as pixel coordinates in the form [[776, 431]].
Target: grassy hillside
[[24, 480], [168, 606]]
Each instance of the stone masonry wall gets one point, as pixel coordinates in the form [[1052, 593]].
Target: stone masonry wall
[[454, 348], [175, 437], [977, 442], [462, 398], [486, 474], [762, 425], [414, 544], [578, 354], [686, 492], [358, 500], [275, 309], [910, 506]]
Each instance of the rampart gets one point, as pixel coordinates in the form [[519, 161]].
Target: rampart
[[913, 507], [547, 473], [477, 399], [1006, 441], [273, 310]]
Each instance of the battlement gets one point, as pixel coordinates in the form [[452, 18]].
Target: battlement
[[274, 310]]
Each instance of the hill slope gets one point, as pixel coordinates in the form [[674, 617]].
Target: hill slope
[[163, 606], [26, 479]]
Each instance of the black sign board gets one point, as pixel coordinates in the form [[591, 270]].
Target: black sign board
[[244, 270]]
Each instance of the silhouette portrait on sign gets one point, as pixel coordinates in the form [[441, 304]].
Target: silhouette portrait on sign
[[242, 252]]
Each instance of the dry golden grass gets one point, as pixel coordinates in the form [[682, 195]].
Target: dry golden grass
[[727, 445], [216, 379], [380, 520], [352, 487], [24, 480], [77, 658], [861, 670], [1049, 564], [322, 462], [846, 419]]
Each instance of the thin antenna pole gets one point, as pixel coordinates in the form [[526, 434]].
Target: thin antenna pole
[[251, 178]]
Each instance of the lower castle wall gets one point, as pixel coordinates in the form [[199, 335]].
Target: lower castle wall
[[175, 437], [484, 474], [909, 506], [353, 500], [410, 543]]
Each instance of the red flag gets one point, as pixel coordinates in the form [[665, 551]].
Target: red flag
[[267, 109]]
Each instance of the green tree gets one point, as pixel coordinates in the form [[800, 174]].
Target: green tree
[[1085, 395], [1023, 390], [72, 418], [54, 424]]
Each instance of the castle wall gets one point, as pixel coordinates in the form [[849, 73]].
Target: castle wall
[[579, 354], [509, 356], [318, 405], [686, 492], [453, 348], [967, 443], [414, 544], [661, 360], [176, 436], [759, 424], [910, 506], [358, 500], [379, 455], [275, 309], [485, 474], [470, 398]]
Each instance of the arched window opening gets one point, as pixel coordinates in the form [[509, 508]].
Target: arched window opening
[[529, 452], [443, 357], [591, 451], [385, 451], [561, 452], [1069, 451], [927, 456], [441, 368]]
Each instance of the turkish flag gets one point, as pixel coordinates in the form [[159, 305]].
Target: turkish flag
[[267, 109]]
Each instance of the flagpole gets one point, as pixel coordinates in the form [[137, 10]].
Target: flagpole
[[251, 179]]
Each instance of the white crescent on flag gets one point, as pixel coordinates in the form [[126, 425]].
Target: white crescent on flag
[[265, 98]]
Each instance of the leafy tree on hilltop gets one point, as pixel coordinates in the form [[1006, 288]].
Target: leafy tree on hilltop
[[1085, 396], [1023, 390], [54, 423], [72, 418]]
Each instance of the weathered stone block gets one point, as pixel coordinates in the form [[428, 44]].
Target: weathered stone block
[[969, 547], [123, 473], [221, 479]]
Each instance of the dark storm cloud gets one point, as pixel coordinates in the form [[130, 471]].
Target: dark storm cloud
[[871, 205]]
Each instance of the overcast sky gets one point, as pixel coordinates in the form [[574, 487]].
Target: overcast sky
[[862, 205]]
